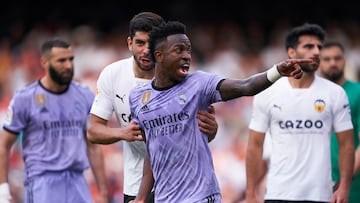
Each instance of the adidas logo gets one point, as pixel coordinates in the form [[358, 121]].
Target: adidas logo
[[144, 108], [43, 110]]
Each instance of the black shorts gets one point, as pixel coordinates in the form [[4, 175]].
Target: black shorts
[[150, 199]]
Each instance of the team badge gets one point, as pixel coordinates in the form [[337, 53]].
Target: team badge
[[182, 99], [319, 105], [146, 97], [40, 99]]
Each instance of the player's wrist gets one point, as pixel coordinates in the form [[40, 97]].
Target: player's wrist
[[5, 192], [273, 74]]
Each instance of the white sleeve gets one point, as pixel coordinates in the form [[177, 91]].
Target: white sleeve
[[259, 119], [342, 114], [103, 102]]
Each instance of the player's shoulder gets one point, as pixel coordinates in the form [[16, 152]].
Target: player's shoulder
[[119, 66], [353, 84], [81, 87], [276, 88], [27, 90], [329, 84], [143, 87], [200, 73]]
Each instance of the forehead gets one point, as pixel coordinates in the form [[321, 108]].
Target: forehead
[[178, 39], [331, 50], [59, 52], [141, 35], [309, 39]]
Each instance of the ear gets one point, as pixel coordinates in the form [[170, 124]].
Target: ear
[[159, 56], [129, 43], [44, 62], [291, 52]]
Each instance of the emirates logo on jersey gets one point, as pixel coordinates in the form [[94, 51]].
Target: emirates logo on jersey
[[146, 97], [319, 105]]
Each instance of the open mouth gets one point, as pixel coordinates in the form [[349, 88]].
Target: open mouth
[[184, 69], [145, 62]]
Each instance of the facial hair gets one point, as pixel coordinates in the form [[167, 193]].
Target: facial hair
[[334, 76], [142, 67], [58, 78]]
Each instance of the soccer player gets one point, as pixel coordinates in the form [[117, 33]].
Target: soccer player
[[113, 87], [300, 116], [178, 162], [52, 115], [332, 67]]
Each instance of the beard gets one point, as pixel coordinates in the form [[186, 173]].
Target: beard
[[144, 68], [334, 76], [59, 78], [309, 68]]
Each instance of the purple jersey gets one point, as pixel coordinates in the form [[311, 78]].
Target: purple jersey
[[179, 153], [53, 127]]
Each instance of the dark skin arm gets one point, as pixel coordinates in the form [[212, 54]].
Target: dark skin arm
[[234, 88]]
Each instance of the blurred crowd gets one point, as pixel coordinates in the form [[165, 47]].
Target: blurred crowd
[[228, 49]]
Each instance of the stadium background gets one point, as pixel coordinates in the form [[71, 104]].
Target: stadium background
[[230, 38]]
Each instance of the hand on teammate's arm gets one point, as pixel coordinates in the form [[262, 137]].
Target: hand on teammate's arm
[[207, 122], [98, 132]]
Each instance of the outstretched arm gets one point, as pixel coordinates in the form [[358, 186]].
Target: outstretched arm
[[234, 88]]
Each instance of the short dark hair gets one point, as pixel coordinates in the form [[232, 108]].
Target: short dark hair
[[292, 38], [55, 42], [160, 33], [144, 22], [329, 44]]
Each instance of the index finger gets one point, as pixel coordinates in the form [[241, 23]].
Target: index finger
[[300, 61]]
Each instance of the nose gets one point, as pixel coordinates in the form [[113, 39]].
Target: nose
[[69, 64], [187, 55]]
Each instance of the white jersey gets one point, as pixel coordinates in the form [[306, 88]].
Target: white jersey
[[300, 122], [112, 95]]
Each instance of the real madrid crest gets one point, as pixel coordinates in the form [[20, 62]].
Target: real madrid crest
[[40, 99], [146, 97]]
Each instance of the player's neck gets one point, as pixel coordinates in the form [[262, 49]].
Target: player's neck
[[144, 74], [52, 86], [341, 81], [304, 82]]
